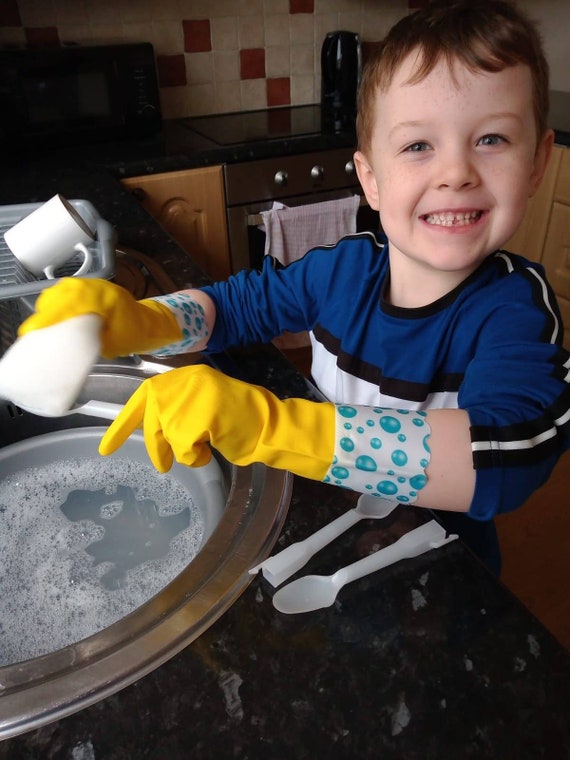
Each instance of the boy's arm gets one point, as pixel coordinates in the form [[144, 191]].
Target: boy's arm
[[176, 323], [450, 473], [382, 451]]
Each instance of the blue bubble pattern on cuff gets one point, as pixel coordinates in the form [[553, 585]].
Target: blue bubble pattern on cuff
[[380, 451], [191, 319]]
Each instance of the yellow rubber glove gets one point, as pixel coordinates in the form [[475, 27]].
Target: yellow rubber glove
[[184, 410], [129, 326]]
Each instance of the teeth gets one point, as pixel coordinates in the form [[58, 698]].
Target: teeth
[[453, 218]]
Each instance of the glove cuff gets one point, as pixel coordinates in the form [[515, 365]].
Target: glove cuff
[[190, 318], [380, 451]]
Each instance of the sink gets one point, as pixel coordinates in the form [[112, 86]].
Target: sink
[[250, 507]]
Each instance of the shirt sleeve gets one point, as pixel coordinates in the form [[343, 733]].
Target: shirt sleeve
[[516, 392], [257, 306]]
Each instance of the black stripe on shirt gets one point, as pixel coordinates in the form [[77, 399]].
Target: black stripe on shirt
[[521, 443], [389, 386]]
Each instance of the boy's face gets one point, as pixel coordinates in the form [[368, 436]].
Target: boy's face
[[452, 163]]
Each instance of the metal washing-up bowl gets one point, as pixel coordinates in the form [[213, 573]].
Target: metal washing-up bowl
[[253, 505]]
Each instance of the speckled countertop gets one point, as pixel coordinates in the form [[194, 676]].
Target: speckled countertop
[[429, 658]]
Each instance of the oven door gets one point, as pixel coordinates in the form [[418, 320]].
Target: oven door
[[247, 236]]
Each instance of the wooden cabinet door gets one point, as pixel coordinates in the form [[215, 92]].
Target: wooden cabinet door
[[556, 261], [190, 206], [529, 239]]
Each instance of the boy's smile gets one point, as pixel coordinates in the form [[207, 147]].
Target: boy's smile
[[452, 163]]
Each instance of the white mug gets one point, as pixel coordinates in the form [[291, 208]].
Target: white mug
[[49, 236]]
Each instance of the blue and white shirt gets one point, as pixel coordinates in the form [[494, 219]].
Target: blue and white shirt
[[492, 346]]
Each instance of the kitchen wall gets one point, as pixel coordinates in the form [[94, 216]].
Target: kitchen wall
[[229, 55]]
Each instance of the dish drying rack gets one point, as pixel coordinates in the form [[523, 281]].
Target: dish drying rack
[[19, 288]]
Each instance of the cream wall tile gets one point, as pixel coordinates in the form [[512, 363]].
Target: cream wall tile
[[253, 94], [301, 29], [104, 12], [351, 6], [201, 99], [248, 7], [74, 33], [139, 32], [278, 61], [277, 30], [302, 59], [228, 97], [12, 35], [109, 31], [163, 10], [221, 9], [251, 32], [70, 13], [350, 22], [36, 12], [199, 68], [225, 33], [326, 6], [134, 13], [174, 102], [167, 37], [198, 9], [275, 7], [303, 90], [226, 67]]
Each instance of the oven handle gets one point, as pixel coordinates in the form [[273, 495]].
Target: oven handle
[[255, 220]]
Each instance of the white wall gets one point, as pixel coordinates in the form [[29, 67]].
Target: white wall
[[553, 17]]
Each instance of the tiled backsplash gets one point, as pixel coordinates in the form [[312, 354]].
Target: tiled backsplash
[[213, 55]]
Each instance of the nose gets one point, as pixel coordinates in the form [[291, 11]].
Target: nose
[[456, 170]]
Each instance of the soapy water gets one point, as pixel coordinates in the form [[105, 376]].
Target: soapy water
[[84, 542]]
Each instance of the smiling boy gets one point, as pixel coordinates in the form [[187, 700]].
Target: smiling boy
[[440, 353]]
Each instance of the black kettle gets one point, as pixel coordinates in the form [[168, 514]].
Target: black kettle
[[341, 63]]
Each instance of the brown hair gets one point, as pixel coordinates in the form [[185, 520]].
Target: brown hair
[[484, 35]]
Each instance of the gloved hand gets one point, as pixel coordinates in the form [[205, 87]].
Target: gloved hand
[[129, 326], [184, 409]]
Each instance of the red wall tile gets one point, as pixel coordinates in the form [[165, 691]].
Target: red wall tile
[[279, 92], [197, 37], [171, 70], [301, 6], [252, 63]]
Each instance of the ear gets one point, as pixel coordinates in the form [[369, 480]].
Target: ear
[[367, 179], [541, 159]]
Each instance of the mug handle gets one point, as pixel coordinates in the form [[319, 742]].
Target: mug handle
[[85, 266]]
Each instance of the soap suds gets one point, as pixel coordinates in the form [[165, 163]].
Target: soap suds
[[83, 542]]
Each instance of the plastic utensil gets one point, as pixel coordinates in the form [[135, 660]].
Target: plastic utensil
[[104, 409], [313, 592], [283, 565]]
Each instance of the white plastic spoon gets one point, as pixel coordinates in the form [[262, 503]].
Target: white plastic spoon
[[104, 409], [313, 592], [283, 565]]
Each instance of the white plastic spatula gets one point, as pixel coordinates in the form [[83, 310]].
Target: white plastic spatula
[[312, 592], [283, 565]]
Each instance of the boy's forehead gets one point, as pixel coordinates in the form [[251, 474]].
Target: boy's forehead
[[453, 79]]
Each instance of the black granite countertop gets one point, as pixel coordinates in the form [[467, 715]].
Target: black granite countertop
[[429, 658]]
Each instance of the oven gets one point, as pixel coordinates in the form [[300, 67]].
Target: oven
[[291, 155], [293, 180]]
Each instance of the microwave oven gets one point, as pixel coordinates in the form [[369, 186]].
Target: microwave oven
[[78, 94]]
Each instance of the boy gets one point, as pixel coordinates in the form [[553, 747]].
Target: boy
[[440, 354]]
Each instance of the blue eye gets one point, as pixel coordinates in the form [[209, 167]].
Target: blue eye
[[491, 140], [417, 147]]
